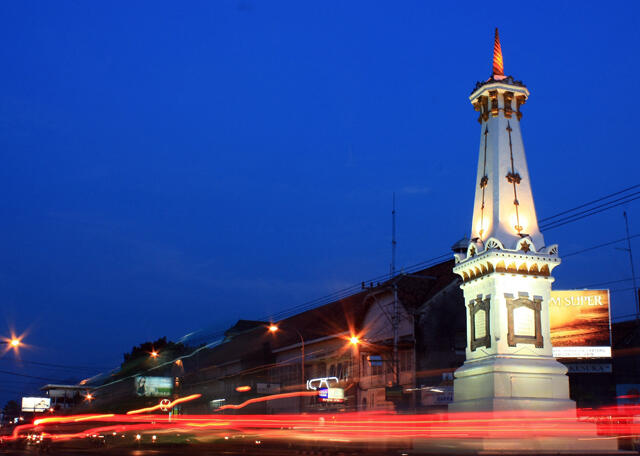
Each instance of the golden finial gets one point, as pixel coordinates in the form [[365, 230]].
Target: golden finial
[[498, 66]]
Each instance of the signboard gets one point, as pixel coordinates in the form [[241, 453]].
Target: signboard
[[441, 395], [331, 394], [165, 405], [36, 404], [323, 382], [154, 386], [580, 325], [589, 368]]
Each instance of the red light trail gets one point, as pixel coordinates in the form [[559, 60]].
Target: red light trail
[[168, 406], [363, 427]]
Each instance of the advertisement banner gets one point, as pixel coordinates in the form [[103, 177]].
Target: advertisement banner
[[36, 404], [580, 324], [154, 386]]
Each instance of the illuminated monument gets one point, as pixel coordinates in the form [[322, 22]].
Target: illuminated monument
[[506, 270]]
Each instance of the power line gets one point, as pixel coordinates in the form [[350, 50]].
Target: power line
[[621, 289], [57, 366], [589, 212], [608, 283], [31, 376], [598, 246], [587, 204]]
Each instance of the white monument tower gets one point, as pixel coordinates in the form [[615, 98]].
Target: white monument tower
[[506, 270]]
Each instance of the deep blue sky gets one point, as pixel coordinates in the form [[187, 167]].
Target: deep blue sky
[[168, 166]]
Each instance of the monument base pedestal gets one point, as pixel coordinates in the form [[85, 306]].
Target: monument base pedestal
[[525, 404], [499, 382]]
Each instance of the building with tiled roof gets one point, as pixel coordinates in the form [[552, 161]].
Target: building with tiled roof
[[254, 361]]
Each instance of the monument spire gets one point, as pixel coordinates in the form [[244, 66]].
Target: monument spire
[[498, 65], [504, 213]]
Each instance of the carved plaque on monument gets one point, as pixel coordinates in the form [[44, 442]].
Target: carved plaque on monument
[[523, 321], [479, 322]]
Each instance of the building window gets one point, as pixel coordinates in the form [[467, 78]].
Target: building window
[[321, 370], [289, 374], [406, 360], [347, 368], [377, 364]]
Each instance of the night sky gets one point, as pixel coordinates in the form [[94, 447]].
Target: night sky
[[169, 166]]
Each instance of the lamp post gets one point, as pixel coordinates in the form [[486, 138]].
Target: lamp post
[[354, 341], [273, 329]]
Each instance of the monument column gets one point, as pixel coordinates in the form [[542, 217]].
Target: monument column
[[506, 270]]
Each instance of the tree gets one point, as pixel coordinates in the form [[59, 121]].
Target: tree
[[11, 410], [160, 346], [139, 359]]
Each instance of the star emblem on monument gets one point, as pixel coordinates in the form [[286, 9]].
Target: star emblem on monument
[[525, 247]]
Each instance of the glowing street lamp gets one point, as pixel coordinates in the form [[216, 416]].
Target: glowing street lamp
[[13, 343], [273, 328], [354, 340], [154, 354]]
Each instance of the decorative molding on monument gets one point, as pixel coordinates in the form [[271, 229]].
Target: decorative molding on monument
[[514, 262], [499, 99], [524, 246], [506, 82]]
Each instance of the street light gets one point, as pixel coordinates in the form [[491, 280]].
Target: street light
[[273, 328], [153, 354], [14, 343], [354, 340]]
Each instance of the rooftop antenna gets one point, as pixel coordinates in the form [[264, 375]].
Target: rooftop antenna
[[393, 237], [633, 272], [396, 307]]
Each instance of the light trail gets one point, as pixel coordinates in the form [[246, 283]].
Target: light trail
[[168, 406], [354, 427], [272, 397]]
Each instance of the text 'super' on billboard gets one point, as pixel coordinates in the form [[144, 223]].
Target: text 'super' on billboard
[[154, 386], [580, 324], [36, 404]]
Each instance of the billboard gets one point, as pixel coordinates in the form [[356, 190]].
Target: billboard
[[580, 325], [154, 386], [36, 404]]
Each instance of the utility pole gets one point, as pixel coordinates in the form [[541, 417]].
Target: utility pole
[[396, 308], [633, 272]]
